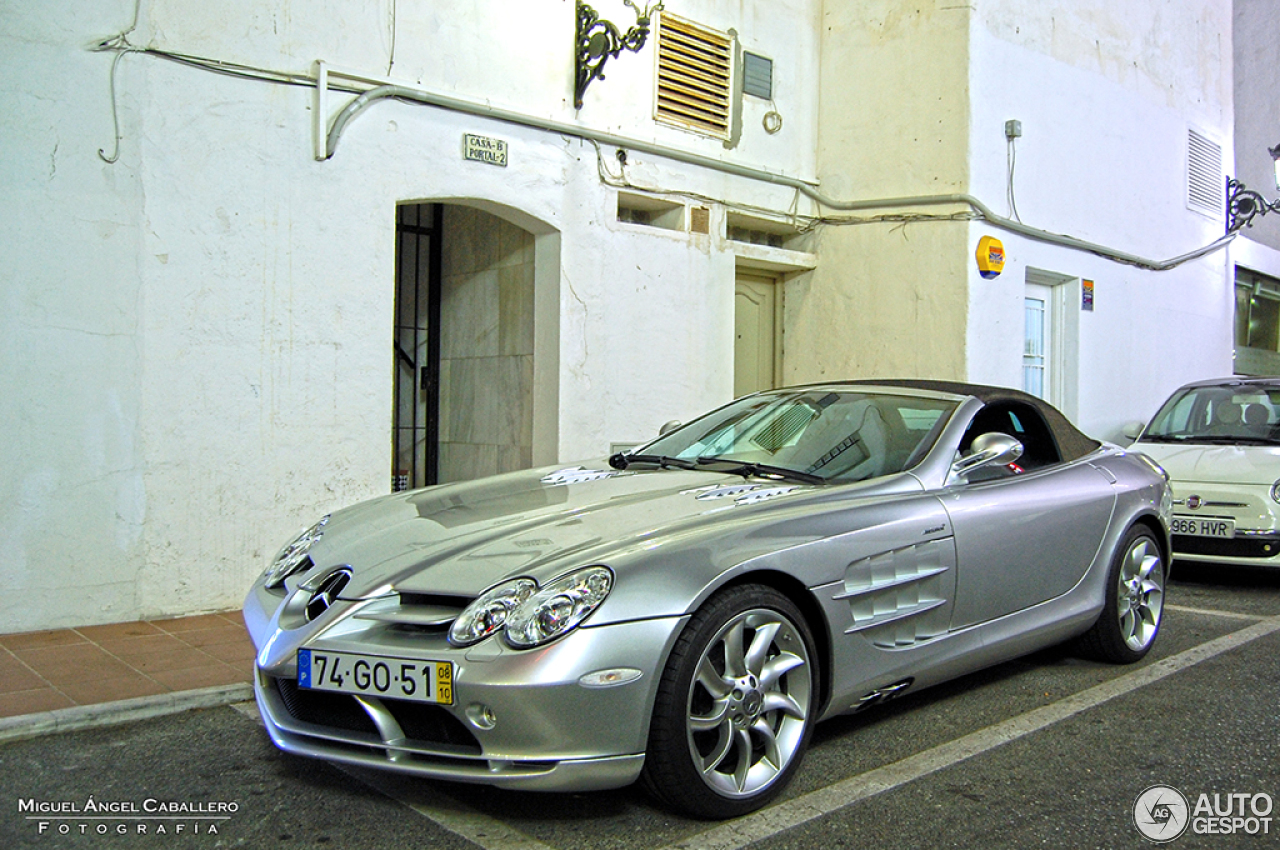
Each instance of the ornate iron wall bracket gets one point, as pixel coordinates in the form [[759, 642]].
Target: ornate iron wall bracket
[[599, 40], [1244, 205]]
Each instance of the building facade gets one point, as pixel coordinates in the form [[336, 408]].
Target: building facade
[[268, 258], [1255, 254]]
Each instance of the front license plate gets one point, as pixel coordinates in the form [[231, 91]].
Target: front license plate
[[375, 675], [1204, 526]]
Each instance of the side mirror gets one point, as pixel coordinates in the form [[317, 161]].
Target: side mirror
[[669, 427], [991, 449], [1133, 430]]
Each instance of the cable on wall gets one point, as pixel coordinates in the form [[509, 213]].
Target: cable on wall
[[1011, 161], [367, 96]]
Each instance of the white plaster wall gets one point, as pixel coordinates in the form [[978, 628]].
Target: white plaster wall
[[1105, 95], [72, 498], [195, 358], [888, 298]]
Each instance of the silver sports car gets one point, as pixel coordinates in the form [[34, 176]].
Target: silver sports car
[[684, 613]]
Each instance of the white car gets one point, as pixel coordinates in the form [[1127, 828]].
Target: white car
[[1219, 440]]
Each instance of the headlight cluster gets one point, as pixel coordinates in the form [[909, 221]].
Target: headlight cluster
[[294, 556], [529, 615]]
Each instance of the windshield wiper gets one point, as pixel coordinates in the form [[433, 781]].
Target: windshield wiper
[[1205, 439], [622, 460], [759, 470], [1229, 441]]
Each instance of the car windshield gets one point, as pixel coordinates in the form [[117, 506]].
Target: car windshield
[[819, 434], [1222, 414]]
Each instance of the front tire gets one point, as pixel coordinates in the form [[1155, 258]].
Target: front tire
[[1131, 617], [735, 705]]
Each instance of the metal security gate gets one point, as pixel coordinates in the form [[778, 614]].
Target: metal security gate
[[416, 388]]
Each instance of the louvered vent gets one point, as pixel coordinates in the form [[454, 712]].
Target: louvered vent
[[1205, 185], [757, 76], [695, 65]]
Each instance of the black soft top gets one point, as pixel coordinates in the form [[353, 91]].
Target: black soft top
[[1072, 443]]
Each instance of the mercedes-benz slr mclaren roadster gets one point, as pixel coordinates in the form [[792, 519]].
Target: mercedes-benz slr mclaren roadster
[[684, 613]]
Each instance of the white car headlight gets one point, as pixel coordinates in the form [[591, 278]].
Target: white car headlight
[[294, 555], [490, 612], [530, 615], [558, 607]]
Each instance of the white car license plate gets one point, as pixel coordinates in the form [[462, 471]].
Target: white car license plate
[[397, 678], [1204, 526]]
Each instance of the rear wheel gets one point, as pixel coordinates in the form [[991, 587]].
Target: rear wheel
[[735, 705], [1131, 618]]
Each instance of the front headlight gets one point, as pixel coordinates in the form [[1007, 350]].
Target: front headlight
[[490, 612], [294, 555], [532, 616], [558, 607]]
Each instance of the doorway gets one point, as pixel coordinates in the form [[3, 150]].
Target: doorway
[[1051, 338], [757, 322], [463, 345], [416, 383]]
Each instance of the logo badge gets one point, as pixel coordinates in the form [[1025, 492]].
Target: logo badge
[[1161, 813], [1194, 502], [326, 593]]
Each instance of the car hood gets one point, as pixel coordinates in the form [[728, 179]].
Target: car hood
[[459, 539], [1251, 465]]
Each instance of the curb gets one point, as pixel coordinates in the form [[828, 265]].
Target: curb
[[79, 717]]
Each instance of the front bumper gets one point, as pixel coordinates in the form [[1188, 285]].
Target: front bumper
[[1255, 516], [1249, 548], [519, 719]]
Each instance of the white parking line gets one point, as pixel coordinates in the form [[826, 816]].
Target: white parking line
[[459, 819], [776, 819], [1213, 612]]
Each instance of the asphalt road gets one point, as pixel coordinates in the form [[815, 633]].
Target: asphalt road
[[1048, 751]]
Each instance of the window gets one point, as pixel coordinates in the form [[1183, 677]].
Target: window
[[1034, 361], [835, 435], [695, 76], [1241, 413], [1257, 350], [652, 212], [1024, 424], [1051, 338]]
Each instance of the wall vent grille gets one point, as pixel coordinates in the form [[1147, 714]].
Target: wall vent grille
[[695, 77], [757, 76], [1206, 186]]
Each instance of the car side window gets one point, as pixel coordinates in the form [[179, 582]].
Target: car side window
[[1022, 422]]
